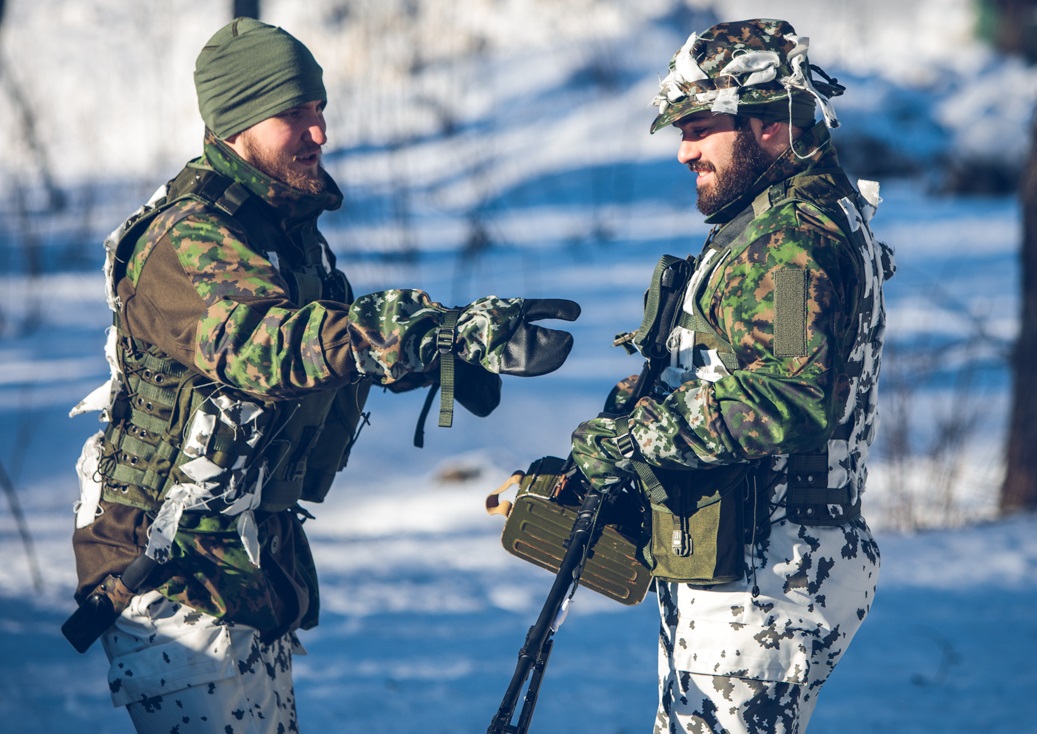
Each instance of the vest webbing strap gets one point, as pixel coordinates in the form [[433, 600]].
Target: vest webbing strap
[[721, 241], [445, 336], [817, 496], [149, 392], [160, 365], [153, 424]]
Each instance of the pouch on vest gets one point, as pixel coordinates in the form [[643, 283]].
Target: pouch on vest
[[541, 519], [697, 534], [662, 308], [331, 449]]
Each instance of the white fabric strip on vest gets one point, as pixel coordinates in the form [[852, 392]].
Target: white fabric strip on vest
[[206, 476], [103, 397], [88, 508], [688, 358]]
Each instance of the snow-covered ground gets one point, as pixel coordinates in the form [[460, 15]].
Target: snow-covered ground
[[528, 120]]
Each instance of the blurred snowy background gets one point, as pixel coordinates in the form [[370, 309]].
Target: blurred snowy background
[[501, 146]]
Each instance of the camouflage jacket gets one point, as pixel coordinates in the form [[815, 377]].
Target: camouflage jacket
[[199, 290], [236, 313], [779, 399]]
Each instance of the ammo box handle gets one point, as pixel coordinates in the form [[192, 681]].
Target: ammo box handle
[[494, 504]]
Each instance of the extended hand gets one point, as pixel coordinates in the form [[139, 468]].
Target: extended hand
[[394, 333], [496, 334]]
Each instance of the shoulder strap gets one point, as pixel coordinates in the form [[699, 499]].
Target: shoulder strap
[[720, 244], [724, 237], [202, 184], [229, 196]]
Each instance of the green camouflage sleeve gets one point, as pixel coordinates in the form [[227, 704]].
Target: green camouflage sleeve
[[393, 333], [198, 292], [782, 399], [195, 289]]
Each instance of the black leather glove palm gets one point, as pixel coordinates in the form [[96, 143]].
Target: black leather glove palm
[[497, 334]]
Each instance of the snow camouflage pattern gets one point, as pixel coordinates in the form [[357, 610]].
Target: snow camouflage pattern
[[178, 671], [750, 657]]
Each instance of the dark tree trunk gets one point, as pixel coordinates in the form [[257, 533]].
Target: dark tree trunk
[[243, 8], [1019, 491], [1014, 27]]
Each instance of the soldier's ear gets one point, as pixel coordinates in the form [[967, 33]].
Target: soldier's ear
[[773, 137], [234, 143], [766, 131]]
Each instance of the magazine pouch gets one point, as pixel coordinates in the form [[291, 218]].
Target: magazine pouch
[[697, 532]]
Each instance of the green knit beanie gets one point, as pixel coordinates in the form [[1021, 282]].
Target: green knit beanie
[[250, 71]]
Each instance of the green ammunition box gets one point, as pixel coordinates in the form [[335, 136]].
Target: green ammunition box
[[540, 521]]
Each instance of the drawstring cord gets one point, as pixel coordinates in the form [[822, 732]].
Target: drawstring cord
[[752, 557]]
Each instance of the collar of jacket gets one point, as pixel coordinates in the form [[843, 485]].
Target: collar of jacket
[[292, 205], [815, 144]]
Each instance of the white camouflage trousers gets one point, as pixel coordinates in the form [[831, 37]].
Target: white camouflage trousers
[[179, 671], [750, 657]]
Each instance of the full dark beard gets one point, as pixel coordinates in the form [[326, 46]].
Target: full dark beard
[[279, 167], [748, 162]]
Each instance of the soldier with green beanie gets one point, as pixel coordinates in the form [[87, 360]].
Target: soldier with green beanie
[[750, 434], [240, 364]]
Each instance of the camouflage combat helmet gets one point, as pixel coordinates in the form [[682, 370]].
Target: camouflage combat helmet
[[751, 63]]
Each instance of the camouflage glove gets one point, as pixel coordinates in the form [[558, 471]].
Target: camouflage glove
[[393, 333], [496, 334], [617, 401], [601, 455]]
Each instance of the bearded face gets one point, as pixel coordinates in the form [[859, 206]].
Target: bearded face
[[727, 178], [283, 165]]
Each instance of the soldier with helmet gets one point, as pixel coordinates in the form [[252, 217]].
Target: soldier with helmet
[[764, 402], [241, 362]]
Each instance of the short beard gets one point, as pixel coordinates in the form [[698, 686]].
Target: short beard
[[748, 162], [278, 167]]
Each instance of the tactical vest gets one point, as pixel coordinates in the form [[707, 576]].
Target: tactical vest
[[820, 488], [178, 441]]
